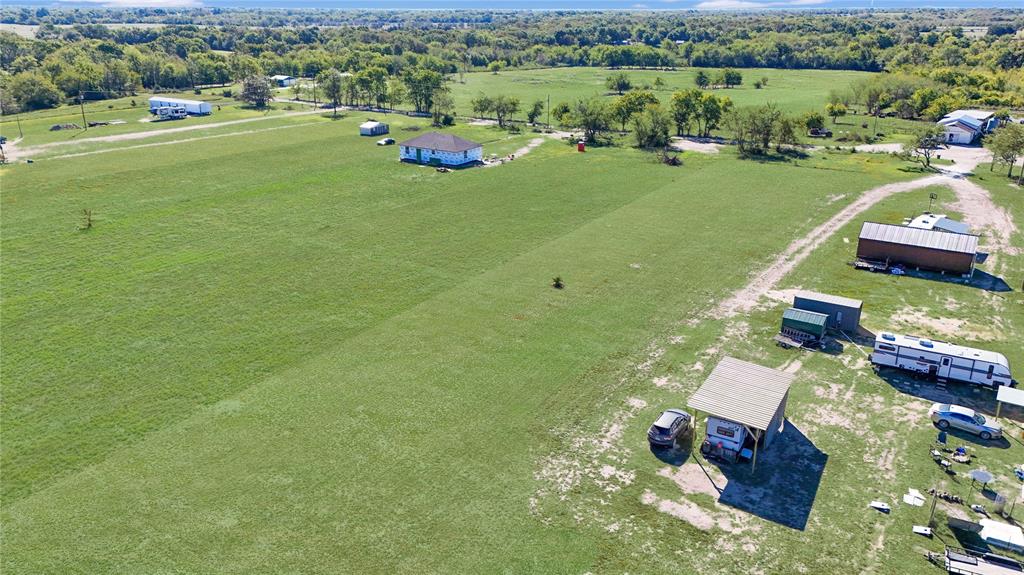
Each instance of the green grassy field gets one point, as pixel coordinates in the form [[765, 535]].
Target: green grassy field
[[792, 91], [35, 127], [289, 352]]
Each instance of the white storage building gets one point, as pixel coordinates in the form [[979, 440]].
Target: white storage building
[[194, 107], [373, 128]]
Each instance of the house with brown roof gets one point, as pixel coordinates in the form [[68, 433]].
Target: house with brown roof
[[436, 148]]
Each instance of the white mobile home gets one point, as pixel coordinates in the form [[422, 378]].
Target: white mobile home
[[194, 107], [941, 359]]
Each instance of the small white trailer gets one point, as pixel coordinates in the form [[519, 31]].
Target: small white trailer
[[941, 360], [193, 107]]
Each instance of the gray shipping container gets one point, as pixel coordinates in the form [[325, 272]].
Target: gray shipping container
[[843, 313]]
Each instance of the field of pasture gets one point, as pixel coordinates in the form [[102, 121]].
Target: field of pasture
[[277, 348]]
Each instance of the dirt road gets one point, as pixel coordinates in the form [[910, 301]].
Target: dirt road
[[16, 152], [973, 201]]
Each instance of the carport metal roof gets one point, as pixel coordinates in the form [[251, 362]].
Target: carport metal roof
[[1007, 394], [743, 392]]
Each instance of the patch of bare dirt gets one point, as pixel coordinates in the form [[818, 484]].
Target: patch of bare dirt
[[694, 478], [984, 216], [695, 145], [917, 320]]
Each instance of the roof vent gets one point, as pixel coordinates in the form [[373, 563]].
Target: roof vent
[[926, 343], [888, 337]]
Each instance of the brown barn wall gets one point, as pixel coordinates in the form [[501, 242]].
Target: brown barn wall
[[914, 256]]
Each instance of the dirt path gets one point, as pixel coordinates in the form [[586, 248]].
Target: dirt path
[[693, 145], [182, 141], [15, 153], [973, 201]]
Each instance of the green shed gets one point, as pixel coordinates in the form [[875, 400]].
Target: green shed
[[804, 323]]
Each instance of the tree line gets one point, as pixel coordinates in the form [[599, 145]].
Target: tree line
[[72, 53]]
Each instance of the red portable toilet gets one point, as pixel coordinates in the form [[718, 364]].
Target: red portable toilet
[[581, 146]]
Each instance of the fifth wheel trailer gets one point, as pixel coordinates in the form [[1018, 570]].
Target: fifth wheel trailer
[[194, 107], [941, 359]]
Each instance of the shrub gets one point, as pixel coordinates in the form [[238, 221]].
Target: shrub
[[226, 93]]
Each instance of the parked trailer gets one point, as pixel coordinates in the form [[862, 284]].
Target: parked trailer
[[941, 360], [194, 107]]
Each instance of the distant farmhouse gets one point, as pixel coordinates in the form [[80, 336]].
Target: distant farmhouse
[[966, 126], [283, 81], [441, 149]]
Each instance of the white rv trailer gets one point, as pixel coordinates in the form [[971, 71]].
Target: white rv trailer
[[941, 359], [195, 107]]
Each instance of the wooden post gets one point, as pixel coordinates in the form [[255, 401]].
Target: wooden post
[[999, 407], [753, 462]]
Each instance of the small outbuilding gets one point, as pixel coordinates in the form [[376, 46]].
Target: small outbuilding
[[373, 128], [283, 81], [843, 313], [931, 250], [966, 126], [745, 404], [802, 325], [441, 149]]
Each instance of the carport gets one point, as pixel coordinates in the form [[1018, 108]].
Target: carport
[[1009, 395], [748, 394]]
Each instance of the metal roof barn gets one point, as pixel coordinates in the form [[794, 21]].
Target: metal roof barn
[[746, 393], [919, 248], [843, 312]]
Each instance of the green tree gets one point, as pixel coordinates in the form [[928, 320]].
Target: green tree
[[504, 107], [618, 82], [651, 127], [332, 84], [1007, 144], [422, 84], [685, 104], [495, 66], [731, 77], [535, 111], [256, 91], [482, 105], [33, 91], [592, 117], [632, 103], [926, 143], [814, 121], [702, 80], [397, 92], [835, 110], [442, 107], [562, 113]]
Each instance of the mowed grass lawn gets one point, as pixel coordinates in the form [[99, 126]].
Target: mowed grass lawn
[[795, 92], [293, 353]]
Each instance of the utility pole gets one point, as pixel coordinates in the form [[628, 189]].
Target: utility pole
[[549, 111], [20, 133], [81, 103]]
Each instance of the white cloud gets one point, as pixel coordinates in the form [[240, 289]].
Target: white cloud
[[753, 5], [640, 6]]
